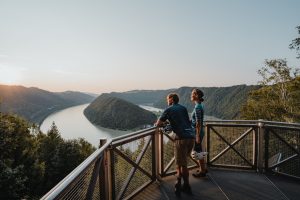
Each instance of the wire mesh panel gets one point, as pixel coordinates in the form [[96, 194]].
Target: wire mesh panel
[[84, 185], [86, 181], [168, 154], [284, 144], [132, 166], [231, 145]]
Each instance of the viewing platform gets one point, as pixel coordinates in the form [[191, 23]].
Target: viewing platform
[[247, 160], [224, 184]]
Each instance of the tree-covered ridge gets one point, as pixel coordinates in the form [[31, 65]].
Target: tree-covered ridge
[[35, 104], [31, 162], [220, 102], [115, 113]]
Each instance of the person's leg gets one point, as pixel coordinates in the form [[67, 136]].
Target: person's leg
[[185, 175], [189, 144], [203, 166], [201, 163], [178, 161], [186, 185], [198, 148], [178, 181]]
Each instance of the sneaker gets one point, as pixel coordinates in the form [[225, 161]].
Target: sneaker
[[203, 154], [186, 189]]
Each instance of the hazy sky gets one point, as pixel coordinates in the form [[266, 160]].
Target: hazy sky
[[103, 46]]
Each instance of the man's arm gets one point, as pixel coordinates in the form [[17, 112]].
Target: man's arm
[[159, 123], [162, 119]]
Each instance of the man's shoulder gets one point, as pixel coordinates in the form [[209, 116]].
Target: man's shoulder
[[179, 105]]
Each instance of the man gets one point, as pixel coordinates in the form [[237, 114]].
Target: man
[[178, 117]]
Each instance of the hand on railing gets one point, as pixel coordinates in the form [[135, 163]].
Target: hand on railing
[[166, 129]]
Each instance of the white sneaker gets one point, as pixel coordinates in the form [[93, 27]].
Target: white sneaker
[[203, 154]]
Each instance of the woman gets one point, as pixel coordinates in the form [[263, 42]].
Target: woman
[[197, 123]]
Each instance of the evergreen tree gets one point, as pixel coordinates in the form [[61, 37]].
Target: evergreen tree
[[31, 162], [20, 170]]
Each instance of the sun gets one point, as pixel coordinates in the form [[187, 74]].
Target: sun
[[9, 76]]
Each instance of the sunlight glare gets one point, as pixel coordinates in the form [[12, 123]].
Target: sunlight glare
[[9, 76]]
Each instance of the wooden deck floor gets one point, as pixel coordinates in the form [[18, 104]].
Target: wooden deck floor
[[228, 184]]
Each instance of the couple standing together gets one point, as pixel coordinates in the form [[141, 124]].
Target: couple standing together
[[189, 135]]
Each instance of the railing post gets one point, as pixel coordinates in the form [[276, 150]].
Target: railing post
[[157, 154], [104, 174], [260, 148], [255, 148], [266, 149], [207, 142]]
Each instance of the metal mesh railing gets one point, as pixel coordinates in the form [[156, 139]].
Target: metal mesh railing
[[84, 182], [79, 189], [231, 145], [132, 164], [254, 144], [282, 147], [126, 165]]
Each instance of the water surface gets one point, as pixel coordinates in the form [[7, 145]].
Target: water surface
[[72, 124]]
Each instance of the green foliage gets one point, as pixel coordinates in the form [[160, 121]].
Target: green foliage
[[20, 168], [278, 99], [31, 162]]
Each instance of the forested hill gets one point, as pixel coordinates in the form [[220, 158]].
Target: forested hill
[[35, 104], [220, 102], [115, 113]]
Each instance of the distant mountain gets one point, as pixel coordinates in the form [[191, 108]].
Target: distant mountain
[[35, 104], [92, 94], [142, 96], [220, 102], [115, 113]]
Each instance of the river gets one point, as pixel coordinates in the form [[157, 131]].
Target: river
[[72, 124]]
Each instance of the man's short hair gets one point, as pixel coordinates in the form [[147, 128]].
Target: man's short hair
[[174, 96]]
